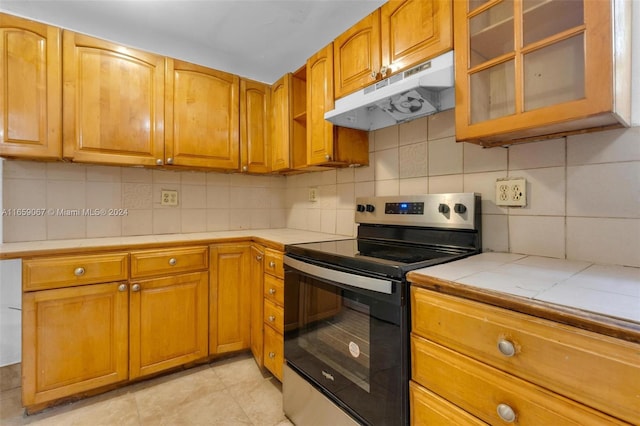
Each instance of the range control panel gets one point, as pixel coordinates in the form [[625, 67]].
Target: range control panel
[[453, 210], [404, 208]]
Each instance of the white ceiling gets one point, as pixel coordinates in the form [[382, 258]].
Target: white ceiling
[[258, 39]]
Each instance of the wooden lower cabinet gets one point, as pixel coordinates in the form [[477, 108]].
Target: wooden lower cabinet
[[229, 303], [494, 363], [73, 340], [169, 322]]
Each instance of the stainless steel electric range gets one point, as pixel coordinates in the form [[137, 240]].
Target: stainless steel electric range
[[346, 307]]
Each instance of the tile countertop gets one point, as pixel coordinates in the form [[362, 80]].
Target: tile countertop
[[277, 237], [603, 298]]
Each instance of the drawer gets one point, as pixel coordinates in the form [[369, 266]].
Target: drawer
[[65, 271], [482, 390], [558, 357], [274, 316], [274, 263], [274, 289], [273, 351], [146, 263], [427, 408]]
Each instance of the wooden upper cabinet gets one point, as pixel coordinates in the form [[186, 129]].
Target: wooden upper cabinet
[[329, 145], [255, 102], [413, 31], [526, 70], [30, 89], [397, 36], [113, 101], [281, 123], [202, 124], [357, 55]]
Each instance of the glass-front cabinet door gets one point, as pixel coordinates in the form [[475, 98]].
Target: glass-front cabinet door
[[526, 68]]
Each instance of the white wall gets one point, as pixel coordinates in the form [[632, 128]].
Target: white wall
[[635, 63]]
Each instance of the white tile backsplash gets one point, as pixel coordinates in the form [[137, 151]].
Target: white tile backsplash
[[584, 192]]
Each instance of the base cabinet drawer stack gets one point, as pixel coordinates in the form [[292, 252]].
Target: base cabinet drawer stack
[[273, 311], [500, 366]]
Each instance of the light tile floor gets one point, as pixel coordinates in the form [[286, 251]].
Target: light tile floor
[[230, 392]]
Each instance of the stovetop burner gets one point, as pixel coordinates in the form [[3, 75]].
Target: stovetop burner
[[401, 233]]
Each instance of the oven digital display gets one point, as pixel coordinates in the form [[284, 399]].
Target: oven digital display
[[404, 208]]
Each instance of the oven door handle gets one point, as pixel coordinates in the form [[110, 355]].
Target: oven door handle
[[353, 280]]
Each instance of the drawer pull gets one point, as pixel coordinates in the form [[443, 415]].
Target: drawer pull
[[258, 258], [272, 291], [122, 287], [78, 272], [272, 318], [135, 287], [506, 348], [272, 264], [506, 413], [272, 355], [173, 261]]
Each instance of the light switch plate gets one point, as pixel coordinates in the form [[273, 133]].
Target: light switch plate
[[313, 195]]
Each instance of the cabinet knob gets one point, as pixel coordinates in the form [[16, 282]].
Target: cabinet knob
[[258, 257], [327, 157], [272, 264], [384, 70], [173, 261], [506, 348], [245, 168], [374, 75], [135, 287], [122, 287], [272, 318], [506, 413], [159, 162], [272, 355], [272, 291], [78, 272], [170, 160]]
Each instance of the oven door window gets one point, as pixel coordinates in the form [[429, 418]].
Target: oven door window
[[348, 342]]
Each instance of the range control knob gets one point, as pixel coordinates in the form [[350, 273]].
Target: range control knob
[[360, 207], [443, 208], [370, 208], [459, 208]]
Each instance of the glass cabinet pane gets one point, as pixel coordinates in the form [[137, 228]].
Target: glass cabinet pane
[[544, 18], [555, 74], [492, 92], [491, 33], [474, 4]]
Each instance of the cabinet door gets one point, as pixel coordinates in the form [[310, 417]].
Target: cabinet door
[[202, 107], [509, 84], [413, 31], [257, 271], [74, 339], [255, 101], [30, 93], [229, 327], [113, 103], [357, 55], [319, 100], [281, 123], [168, 322], [329, 145]]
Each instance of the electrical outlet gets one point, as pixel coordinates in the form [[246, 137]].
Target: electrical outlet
[[169, 197], [511, 192], [313, 194]]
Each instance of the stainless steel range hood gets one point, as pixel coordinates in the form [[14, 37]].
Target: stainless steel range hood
[[422, 90]]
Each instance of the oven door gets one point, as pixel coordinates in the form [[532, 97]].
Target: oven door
[[347, 335]]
